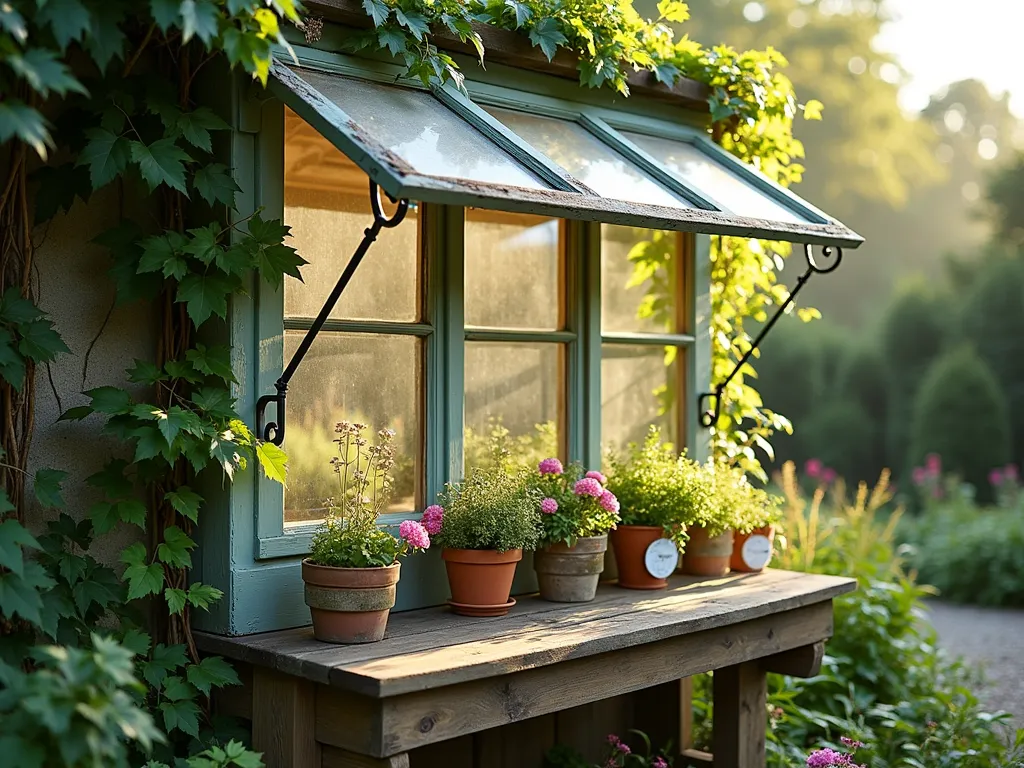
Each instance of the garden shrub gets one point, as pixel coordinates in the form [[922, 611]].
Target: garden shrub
[[842, 435], [913, 331], [862, 380], [993, 320], [961, 414], [883, 680]]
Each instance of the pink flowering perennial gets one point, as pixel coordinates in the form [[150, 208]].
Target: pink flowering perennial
[[608, 502], [432, 518], [588, 486], [550, 467], [549, 506], [595, 475], [414, 533]]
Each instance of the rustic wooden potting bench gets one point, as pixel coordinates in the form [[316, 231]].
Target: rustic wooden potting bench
[[418, 697]]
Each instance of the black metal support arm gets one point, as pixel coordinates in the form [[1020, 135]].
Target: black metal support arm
[[709, 416], [273, 431]]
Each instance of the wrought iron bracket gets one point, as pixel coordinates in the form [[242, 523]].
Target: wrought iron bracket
[[709, 414], [273, 431]]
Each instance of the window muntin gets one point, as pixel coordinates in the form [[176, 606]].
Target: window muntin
[[513, 271], [420, 130], [588, 159], [711, 178], [359, 368]]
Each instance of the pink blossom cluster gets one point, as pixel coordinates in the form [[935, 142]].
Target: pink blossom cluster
[[549, 506], [550, 467], [1000, 476], [588, 486], [816, 470], [432, 518], [830, 758], [929, 477], [415, 534]]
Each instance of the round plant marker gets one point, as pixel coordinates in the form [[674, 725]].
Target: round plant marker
[[757, 551], [661, 558]]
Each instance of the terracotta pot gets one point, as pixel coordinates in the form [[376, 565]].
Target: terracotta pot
[[630, 543], [349, 605], [707, 555], [481, 580], [570, 574], [751, 552]]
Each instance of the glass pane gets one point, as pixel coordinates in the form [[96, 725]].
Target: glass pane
[[327, 205], [372, 379], [699, 171], [638, 388], [638, 279], [513, 271], [516, 390], [588, 159], [420, 130]]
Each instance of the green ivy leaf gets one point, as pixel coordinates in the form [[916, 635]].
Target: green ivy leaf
[[813, 109], [174, 550], [176, 599], [100, 587], [12, 364], [182, 369], [547, 36], [13, 23], [162, 162], [165, 659], [200, 20], [377, 10], [44, 72], [47, 488], [203, 595], [185, 502], [109, 400], [16, 309], [105, 41], [136, 641], [181, 715], [145, 372], [132, 511], [203, 243], [415, 22], [176, 688], [143, 579], [274, 462], [40, 342], [395, 40], [71, 567], [166, 13], [211, 672], [216, 402], [20, 593], [150, 443], [160, 254], [204, 295], [13, 539], [276, 261], [106, 154], [17, 119], [68, 20], [196, 126], [213, 361], [111, 480], [674, 11], [215, 184], [5, 503], [104, 516]]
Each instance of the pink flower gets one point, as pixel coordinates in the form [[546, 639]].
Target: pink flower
[[920, 475], [549, 506], [828, 476], [415, 534], [933, 463], [432, 519], [1010, 472], [813, 468], [826, 758], [850, 743], [613, 739], [995, 477], [623, 748], [659, 762], [588, 486], [595, 475], [550, 467], [608, 502]]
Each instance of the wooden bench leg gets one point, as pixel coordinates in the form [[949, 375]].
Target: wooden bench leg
[[284, 719], [341, 758], [741, 719]]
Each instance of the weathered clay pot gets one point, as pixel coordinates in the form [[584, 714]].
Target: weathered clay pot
[[630, 543], [349, 605], [750, 552], [570, 574], [481, 580], [706, 555]]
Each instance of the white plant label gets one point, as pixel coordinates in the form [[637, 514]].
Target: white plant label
[[757, 551], [661, 558]]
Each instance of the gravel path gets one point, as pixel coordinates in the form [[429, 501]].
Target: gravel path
[[992, 639]]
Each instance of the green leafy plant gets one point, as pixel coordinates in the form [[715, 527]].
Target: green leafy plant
[[620, 755], [573, 503], [656, 486], [492, 509], [737, 504], [350, 537]]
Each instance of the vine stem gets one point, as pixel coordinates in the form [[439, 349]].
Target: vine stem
[[130, 64]]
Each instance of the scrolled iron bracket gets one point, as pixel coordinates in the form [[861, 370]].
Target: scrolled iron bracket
[[709, 404], [273, 431]]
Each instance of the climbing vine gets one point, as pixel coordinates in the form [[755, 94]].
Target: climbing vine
[[102, 93]]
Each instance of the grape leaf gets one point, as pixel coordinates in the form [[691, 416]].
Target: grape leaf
[[204, 295], [215, 184], [162, 162], [106, 154]]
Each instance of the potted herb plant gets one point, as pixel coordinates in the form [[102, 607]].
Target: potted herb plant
[[658, 493], [483, 524], [756, 513], [577, 512], [351, 574]]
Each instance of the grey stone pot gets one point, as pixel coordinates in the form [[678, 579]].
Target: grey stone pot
[[570, 574]]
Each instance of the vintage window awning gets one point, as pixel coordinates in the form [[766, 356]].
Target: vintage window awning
[[440, 147]]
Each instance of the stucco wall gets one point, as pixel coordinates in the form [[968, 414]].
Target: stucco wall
[[75, 290]]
